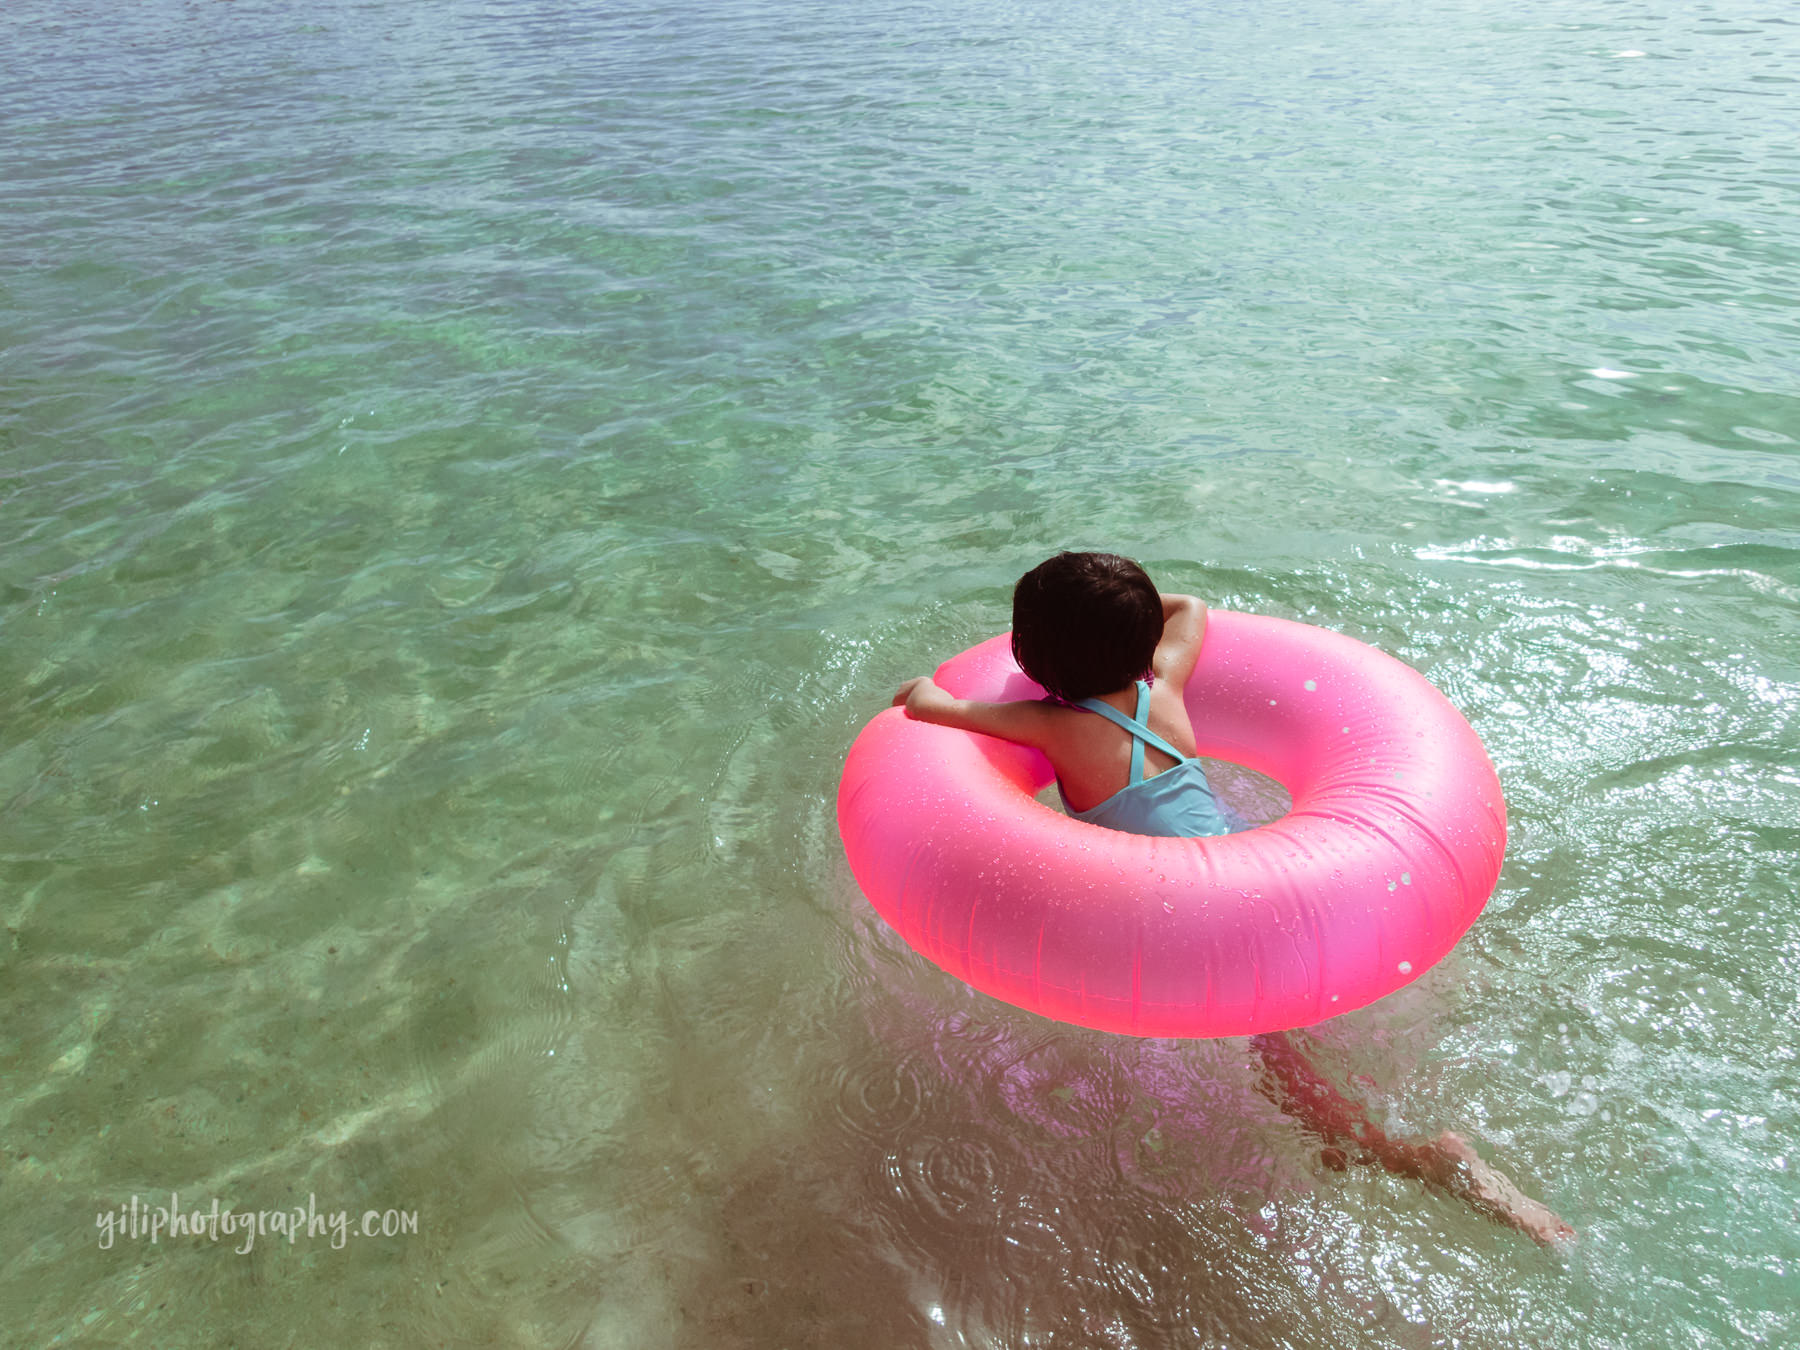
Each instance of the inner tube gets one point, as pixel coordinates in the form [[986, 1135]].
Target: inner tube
[[1392, 845]]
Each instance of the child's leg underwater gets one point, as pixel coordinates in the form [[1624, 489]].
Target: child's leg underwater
[[1447, 1161]]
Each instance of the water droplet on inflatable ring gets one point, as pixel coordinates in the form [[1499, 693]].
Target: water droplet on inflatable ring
[[1406, 967], [1311, 685]]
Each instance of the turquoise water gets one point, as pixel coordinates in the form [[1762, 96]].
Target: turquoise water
[[468, 470]]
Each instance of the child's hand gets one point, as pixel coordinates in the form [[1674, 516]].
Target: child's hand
[[900, 699]]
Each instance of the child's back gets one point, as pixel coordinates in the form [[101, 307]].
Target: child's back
[[1171, 799]]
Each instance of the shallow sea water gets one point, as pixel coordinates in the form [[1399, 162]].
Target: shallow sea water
[[467, 471]]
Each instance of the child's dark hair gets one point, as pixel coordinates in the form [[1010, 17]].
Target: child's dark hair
[[1085, 624]]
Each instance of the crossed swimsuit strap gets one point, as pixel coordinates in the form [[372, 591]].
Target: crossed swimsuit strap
[[1138, 727]]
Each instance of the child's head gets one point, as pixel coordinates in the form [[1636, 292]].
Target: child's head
[[1085, 624]]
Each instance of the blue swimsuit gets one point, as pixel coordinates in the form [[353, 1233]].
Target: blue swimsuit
[[1176, 802]]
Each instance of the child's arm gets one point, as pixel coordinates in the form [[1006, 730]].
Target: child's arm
[[1184, 628], [1025, 721]]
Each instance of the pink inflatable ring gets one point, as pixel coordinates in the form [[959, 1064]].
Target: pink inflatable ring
[[1391, 848]]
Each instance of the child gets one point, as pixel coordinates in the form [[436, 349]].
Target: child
[[1093, 631]]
